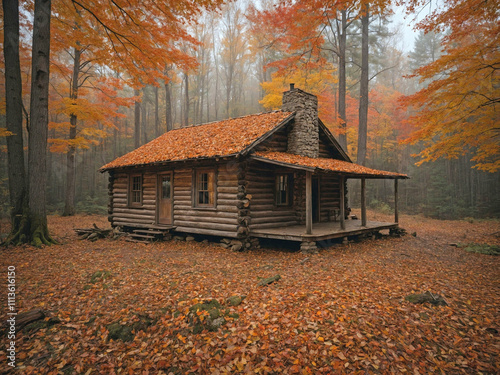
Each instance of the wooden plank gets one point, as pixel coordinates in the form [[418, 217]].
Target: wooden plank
[[272, 225]]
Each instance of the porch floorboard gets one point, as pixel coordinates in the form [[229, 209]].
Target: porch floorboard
[[321, 231]]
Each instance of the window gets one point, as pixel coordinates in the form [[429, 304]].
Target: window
[[204, 188], [283, 190], [135, 190]]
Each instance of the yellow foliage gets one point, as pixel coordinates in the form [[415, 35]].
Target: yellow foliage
[[5, 133], [319, 81]]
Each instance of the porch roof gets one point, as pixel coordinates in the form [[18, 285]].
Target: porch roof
[[323, 164]]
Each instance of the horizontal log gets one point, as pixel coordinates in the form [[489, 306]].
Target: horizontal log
[[210, 232], [132, 220], [261, 207], [227, 202], [228, 183], [275, 219], [229, 196], [212, 219], [203, 213], [272, 213], [140, 210], [135, 215], [178, 206], [183, 193], [227, 189], [205, 225]]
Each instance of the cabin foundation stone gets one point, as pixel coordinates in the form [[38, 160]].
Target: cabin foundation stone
[[308, 247]]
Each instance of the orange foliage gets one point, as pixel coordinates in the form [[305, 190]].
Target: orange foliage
[[221, 138], [327, 164], [458, 112]]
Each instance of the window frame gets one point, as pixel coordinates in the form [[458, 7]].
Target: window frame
[[131, 190], [196, 180], [288, 189]]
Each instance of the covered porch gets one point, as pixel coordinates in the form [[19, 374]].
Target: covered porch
[[311, 232], [323, 231]]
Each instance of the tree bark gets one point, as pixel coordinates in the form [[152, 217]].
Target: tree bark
[[342, 80], [363, 89], [39, 110], [69, 202], [143, 115], [137, 120], [14, 115], [157, 115], [168, 106], [186, 105]]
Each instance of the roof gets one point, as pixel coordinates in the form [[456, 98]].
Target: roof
[[326, 164], [215, 139]]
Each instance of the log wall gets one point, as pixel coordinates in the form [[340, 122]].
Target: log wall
[[329, 196], [262, 208], [221, 220], [124, 215], [277, 142]]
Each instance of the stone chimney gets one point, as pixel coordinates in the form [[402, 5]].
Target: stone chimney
[[303, 138]]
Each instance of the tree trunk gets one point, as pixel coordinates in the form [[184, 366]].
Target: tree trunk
[[363, 89], [168, 106], [14, 115], [69, 202], [143, 115], [186, 105], [157, 116], [39, 110], [342, 80], [137, 120]]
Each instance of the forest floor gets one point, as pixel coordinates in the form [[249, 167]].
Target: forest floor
[[126, 308]]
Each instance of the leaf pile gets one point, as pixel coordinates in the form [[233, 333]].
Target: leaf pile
[[220, 138], [340, 311]]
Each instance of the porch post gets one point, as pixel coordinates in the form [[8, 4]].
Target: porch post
[[309, 219], [396, 218], [363, 202], [342, 202]]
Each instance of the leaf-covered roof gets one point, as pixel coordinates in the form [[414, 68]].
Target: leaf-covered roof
[[221, 138], [333, 165]]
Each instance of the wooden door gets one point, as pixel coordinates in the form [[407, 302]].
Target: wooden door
[[165, 192]]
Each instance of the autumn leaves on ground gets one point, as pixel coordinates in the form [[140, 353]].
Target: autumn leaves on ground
[[340, 311]]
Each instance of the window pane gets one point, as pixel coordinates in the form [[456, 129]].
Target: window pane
[[165, 187]]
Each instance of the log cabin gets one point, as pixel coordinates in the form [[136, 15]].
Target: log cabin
[[280, 174]]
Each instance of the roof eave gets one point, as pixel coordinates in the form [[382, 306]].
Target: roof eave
[[166, 162], [315, 169]]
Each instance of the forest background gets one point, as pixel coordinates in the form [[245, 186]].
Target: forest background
[[237, 61]]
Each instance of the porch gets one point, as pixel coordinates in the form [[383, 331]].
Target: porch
[[322, 231]]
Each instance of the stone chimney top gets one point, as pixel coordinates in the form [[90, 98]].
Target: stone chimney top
[[303, 138]]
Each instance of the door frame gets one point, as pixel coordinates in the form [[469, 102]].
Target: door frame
[[159, 177]]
